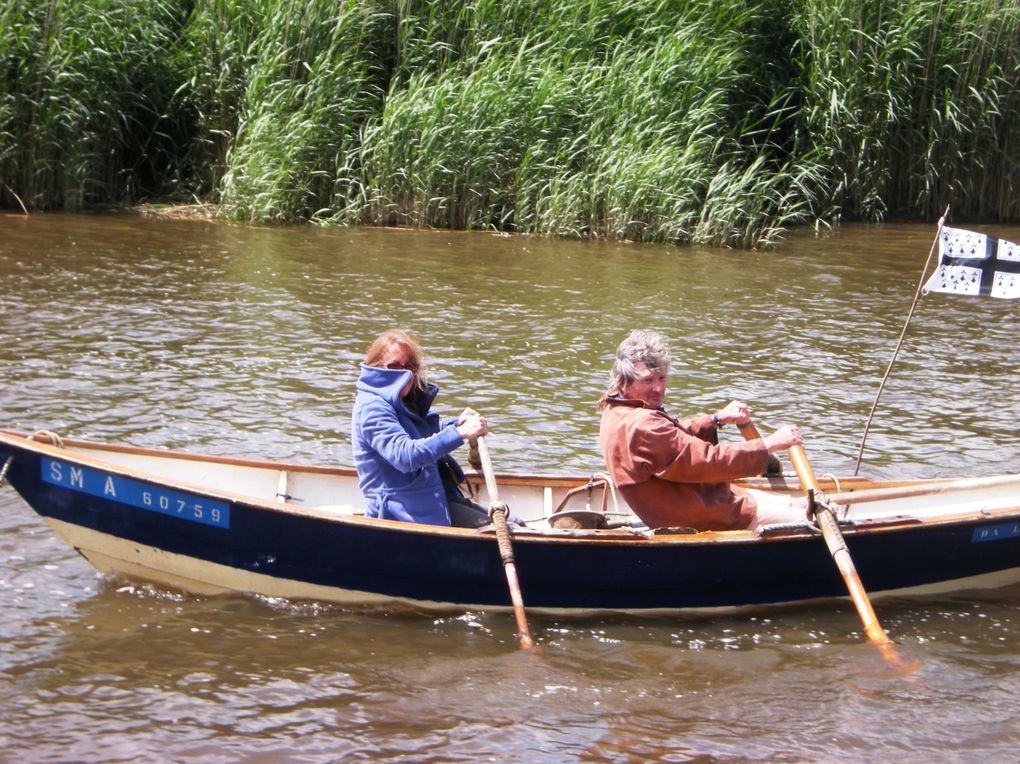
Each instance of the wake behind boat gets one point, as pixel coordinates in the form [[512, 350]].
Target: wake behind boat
[[212, 525]]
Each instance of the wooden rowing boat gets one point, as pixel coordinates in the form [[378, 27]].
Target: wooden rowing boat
[[210, 524]]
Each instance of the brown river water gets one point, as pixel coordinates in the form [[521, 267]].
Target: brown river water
[[246, 341]]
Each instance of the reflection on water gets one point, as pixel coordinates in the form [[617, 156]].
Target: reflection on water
[[246, 341]]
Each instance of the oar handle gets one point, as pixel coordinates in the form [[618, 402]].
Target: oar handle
[[750, 432], [797, 457], [490, 476], [805, 474]]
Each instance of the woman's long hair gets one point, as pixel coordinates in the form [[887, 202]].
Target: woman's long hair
[[391, 338]]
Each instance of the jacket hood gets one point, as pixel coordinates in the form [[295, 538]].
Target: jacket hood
[[387, 384]]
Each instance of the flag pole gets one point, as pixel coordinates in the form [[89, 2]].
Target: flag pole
[[899, 343]]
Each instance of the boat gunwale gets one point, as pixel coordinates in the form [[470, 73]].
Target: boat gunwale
[[783, 482], [555, 480]]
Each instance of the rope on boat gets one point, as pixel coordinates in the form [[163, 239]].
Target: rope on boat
[[834, 479], [53, 438], [506, 550], [842, 511], [798, 526]]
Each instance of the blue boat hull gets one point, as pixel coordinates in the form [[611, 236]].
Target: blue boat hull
[[353, 559]]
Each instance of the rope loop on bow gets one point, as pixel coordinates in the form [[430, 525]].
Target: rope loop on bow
[[51, 436]]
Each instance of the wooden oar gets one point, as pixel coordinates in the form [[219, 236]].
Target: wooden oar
[[499, 511], [750, 432], [837, 547], [925, 489]]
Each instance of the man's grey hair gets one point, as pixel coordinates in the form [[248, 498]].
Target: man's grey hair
[[641, 346]]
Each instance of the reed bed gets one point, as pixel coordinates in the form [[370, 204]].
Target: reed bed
[[84, 101], [718, 121], [620, 136], [315, 77], [914, 104]]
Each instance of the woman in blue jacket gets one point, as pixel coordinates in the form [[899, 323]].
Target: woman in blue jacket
[[401, 448]]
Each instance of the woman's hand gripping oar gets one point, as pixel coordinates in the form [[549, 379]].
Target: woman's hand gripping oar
[[499, 512], [837, 546]]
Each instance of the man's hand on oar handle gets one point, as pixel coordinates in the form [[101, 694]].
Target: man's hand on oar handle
[[784, 438], [734, 412]]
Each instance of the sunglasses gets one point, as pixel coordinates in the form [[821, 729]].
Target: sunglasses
[[401, 366]]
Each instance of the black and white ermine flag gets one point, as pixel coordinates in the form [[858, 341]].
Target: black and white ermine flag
[[976, 264]]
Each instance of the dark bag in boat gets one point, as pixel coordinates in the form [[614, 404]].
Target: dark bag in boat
[[452, 476]]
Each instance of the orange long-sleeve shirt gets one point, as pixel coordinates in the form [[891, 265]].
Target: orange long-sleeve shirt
[[674, 472]]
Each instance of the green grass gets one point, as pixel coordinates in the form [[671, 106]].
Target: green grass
[[720, 121]]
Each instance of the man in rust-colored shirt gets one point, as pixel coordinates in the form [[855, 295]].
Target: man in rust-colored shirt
[[674, 473]]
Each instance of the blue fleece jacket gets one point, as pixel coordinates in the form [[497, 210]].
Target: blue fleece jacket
[[396, 451]]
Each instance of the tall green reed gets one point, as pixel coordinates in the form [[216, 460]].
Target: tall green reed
[[84, 97], [315, 77], [215, 54], [621, 120], [716, 121], [914, 105]]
